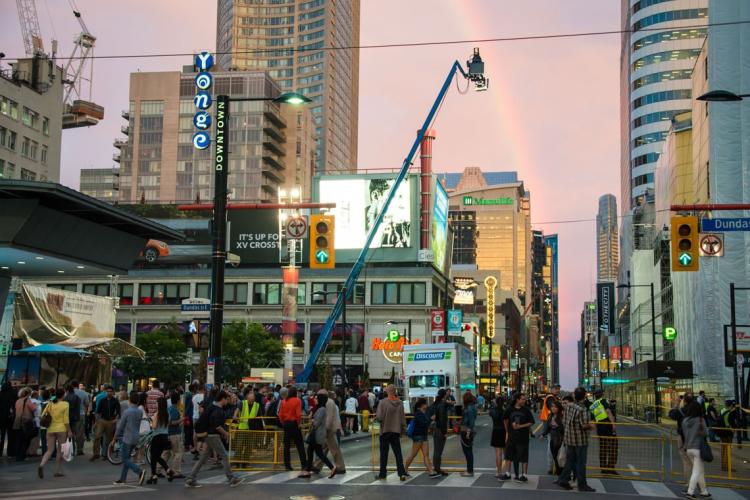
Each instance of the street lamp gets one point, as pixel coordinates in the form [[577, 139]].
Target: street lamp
[[342, 291], [721, 96], [653, 341], [219, 226], [408, 327]]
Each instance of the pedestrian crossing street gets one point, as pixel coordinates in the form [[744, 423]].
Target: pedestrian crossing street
[[366, 477]]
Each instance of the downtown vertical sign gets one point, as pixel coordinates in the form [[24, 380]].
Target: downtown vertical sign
[[605, 302]]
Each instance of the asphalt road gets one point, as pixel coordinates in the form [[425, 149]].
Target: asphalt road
[[87, 479]]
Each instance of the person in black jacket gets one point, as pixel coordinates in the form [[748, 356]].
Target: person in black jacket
[[498, 438], [439, 415], [420, 429], [7, 402]]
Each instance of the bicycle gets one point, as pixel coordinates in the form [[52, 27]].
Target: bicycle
[[144, 443]]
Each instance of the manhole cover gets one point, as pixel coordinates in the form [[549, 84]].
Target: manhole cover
[[316, 497]]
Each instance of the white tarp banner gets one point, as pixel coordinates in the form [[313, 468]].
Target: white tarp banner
[[47, 315]]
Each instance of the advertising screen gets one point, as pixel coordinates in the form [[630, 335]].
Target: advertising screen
[[254, 236], [439, 230], [359, 202]]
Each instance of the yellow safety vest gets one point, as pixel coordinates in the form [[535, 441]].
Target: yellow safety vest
[[598, 411], [246, 414]]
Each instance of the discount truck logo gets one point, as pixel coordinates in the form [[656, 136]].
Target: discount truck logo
[[429, 356]]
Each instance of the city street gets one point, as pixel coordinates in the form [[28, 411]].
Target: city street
[[86, 479]]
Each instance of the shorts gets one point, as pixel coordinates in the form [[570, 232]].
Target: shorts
[[517, 451], [419, 439]]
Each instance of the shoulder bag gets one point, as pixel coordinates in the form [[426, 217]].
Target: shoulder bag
[[46, 419], [706, 453]]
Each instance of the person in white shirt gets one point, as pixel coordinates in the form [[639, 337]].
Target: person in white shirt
[[350, 410]]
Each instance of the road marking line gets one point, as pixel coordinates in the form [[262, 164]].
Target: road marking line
[[652, 489], [633, 471], [112, 490], [596, 484], [457, 481], [343, 478], [11, 494]]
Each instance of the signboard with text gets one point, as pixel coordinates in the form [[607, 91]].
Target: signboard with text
[[437, 317], [605, 301], [725, 224]]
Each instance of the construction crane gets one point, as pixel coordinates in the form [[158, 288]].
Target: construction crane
[[32, 37], [79, 110]]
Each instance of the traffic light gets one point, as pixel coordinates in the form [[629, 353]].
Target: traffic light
[[685, 243], [322, 252]]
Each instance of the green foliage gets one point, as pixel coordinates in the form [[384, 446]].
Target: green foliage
[[166, 357], [246, 346]]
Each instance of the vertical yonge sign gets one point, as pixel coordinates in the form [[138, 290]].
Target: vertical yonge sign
[[202, 100], [490, 284]]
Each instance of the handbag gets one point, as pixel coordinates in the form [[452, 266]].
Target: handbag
[[410, 428], [561, 456], [67, 450], [706, 454], [46, 419]]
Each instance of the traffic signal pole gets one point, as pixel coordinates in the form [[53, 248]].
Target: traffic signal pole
[[474, 73]]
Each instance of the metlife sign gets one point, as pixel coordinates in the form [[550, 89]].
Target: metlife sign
[[605, 301], [471, 201]]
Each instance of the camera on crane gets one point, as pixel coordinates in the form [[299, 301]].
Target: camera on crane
[[475, 67]]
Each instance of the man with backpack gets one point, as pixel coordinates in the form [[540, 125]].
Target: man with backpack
[[210, 428]]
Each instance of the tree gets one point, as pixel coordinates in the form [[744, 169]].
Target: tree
[[166, 356], [246, 346]]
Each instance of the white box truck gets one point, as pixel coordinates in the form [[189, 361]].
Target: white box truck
[[431, 367]]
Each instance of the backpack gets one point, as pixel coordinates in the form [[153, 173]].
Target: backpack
[[410, 428], [201, 426]]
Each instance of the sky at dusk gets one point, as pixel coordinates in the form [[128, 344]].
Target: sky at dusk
[[551, 112]]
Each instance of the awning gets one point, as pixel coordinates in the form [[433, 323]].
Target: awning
[[112, 348]]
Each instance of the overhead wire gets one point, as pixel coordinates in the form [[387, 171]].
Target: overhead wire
[[291, 50]]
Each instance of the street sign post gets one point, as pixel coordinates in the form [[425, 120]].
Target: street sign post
[[296, 228], [711, 245]]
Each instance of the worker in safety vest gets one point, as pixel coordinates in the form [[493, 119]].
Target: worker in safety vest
[[549, 401], [601, 414], [249, 410], [725, 431]]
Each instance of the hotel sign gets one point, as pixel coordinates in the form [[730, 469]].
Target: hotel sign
[[472, 201]]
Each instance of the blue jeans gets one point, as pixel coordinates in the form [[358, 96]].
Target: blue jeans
[[575, 460], [127, 462]]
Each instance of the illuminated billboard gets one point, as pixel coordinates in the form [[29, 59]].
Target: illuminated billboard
[[439, 230], [359, 201]]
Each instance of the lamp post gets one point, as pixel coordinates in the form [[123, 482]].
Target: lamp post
[[721, 96], [342, 291], [653, 341], [219, 226]]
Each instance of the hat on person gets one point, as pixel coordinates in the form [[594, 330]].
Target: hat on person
[[322, 392], [598, 392]]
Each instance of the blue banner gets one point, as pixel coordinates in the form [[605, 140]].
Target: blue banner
[[455, 319]]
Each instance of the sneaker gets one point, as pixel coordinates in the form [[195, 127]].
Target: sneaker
[[192, 483], [586, 488], [436, 474], [402, 478], [517, 479], [119, 482], [235, 481], [690, 495], [443, 473], [565, 486], [379, 477], [705, 495], [142, 477], [504, 477], [523, 479]]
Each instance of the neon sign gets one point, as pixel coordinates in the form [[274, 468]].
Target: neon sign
[[392, 349], [490, 283]]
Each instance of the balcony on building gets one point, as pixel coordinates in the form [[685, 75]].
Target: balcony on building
[[116, 157], [125, 114], [120, 143], [125, 129]]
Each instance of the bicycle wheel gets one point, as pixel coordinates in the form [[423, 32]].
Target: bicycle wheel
[[147, 453], [113, 453]]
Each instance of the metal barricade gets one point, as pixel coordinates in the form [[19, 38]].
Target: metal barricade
[[261, 447], [636, 451], [452, 457], [729, 468]]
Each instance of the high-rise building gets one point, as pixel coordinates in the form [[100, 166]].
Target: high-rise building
[[100, 183], [655, 82], [31, 96], [497, 216], [289, 39], [270, 143], [607, 241]]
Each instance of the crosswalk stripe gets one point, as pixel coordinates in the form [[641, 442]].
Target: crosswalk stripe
[[221, 479], [63, 491], [725, 494], [342, 478], [652, 489], [277, 478], [458, 481], [596, 484], [532, 484]]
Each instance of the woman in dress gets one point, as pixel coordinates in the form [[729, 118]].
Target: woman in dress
[[498, 433]]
